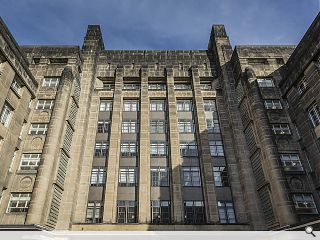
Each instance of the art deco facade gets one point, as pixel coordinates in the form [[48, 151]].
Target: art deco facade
[[216, 139]]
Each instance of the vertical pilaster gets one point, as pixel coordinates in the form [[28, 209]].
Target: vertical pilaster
[[208, 185], [220, 46], [176, 190], [280, 196], [110, 196], [144, 160], [46, 173], [75, 204]]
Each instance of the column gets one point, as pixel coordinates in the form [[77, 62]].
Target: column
[[144, 150], [176, 191], [270, 156], [41, 195], [110, 196], [207, 179]]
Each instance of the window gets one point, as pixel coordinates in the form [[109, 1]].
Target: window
[[131, 86], [30, 161], [101, 149], [184, 105], [206, 86], [194, 212], [22, 130], [157, 86], [158, 149], [108, 86], [281, 129], [50, 81], [38, 128], [126, 212], [131, 105], [209, 105], [314, 114], [216, 149], [191, 176], [94, 212], [159, 177], [213, 126], [157, 126], [128, 149], [257, 61], [160, 212], [98, 176], [265, 82], [103, 126], [226, 212], [157, 105], [15, 86], [44, 104], [302, 86], [18, 202], [105, 105], [6, 114], [186, 126], [188, 149], [220, 175], [304, 203], [127, 177], [182, 86], [272, 104], [12, 161], [291, 162], [129, 127]]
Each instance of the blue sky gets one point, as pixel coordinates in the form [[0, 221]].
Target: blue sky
[[158, 24]]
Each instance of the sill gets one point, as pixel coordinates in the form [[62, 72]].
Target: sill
[[27, 172], [16, 213], [16, 93], [294, 171]]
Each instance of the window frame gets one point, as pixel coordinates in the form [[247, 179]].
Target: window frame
[[160, 211], [53, 82], [224, 214], [105, 105], [265, 82], [186, 126], [291, 166], [216, 148], [281, 129], [44, 104], [6, 114], [129, 145], [157, 105], [314, 114], [18, 199], [132, 126], [194, 212], [189, 178], [159, 177], [129, 211], [301, 206], [189, 149], [184, 105], [128, 177], [220, 175], [273, 104], [38, 129], [131, 105], [97, 211], [35, 160], [98, 176]]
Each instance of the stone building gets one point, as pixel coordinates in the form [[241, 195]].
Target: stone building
[[216, 139]]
